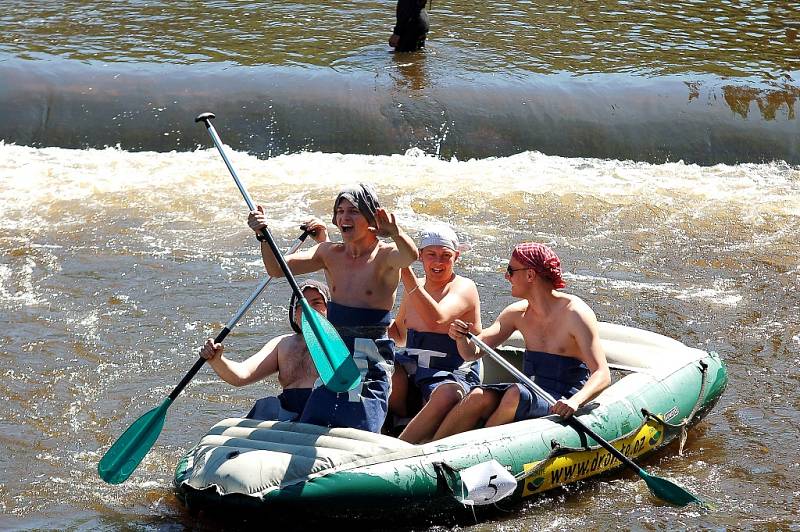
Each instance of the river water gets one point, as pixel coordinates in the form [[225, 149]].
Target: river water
[[116, 262]]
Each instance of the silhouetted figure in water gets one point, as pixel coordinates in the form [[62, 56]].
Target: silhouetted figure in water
[[412, 26]]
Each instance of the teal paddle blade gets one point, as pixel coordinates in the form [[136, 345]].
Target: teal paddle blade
[[669, 491], [126, 454], [333, 360]]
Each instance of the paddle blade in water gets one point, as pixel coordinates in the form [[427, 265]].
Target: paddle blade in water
[[124, 456], [669, 491], [333, 360]]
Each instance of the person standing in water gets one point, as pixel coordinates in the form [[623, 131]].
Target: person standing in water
[[562, 348], [287, 355], [412, 26], [363, 273], [431, 364]]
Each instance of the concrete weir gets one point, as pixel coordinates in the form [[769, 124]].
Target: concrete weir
[[272, 110]]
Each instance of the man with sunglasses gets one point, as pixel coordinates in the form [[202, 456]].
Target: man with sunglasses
[[562, 348]]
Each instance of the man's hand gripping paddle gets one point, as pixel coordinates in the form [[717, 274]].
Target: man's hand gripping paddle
[[333, 360], [663, 489], [129, 450]]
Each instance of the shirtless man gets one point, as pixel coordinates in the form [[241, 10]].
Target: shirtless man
[[363, 273], [431, 362], [561, 342], [286, 355]]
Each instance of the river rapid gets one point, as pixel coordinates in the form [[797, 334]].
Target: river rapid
[[654, 147], [117, 265]]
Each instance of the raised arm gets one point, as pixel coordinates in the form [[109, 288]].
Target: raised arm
[[302, 261], [460, 298], [259, 366], [407, 251]]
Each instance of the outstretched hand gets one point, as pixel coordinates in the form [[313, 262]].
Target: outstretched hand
[[385, 224]]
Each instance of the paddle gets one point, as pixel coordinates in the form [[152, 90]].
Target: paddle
[[663, 489], [334, 363], [126, 454]]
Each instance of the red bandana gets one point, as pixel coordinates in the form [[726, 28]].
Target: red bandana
[[542, 260]]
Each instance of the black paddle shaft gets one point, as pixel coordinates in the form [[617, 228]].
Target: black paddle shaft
[[580, 427], [223, 333], [206, 119], [572, 421]]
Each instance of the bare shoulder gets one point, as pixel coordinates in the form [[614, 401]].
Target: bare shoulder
[[464, 287], [325, 248], [514, 310], [464, 282], [578, 308], [286, 340], [385, 247]]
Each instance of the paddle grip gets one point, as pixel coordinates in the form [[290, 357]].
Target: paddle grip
[[206, 119]]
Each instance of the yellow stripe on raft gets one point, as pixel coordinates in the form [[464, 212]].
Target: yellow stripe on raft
[[578, 465]]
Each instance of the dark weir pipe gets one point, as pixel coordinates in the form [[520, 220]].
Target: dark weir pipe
[[272, 110]]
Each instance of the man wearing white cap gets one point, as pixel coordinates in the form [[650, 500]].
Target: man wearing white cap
[[431, 362]]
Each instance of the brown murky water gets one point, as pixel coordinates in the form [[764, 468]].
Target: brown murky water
[[115, 265], [726, 38]]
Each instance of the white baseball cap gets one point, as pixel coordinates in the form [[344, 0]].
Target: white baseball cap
[[439, 235]]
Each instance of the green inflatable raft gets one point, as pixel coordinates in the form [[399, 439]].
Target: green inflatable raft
[[243, 467]]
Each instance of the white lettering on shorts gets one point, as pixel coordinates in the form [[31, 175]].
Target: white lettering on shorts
[[364, 352], [424, 356]]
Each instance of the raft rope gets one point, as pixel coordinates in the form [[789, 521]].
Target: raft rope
[[684, 425], [557, 448]]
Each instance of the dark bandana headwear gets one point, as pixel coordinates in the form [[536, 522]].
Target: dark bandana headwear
[[542, 260], [322, 288], [363, 197]]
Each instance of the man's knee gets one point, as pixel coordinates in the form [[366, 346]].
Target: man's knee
[[447, 395], [480, 402]]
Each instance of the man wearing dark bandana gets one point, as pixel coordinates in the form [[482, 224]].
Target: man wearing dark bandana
[[562, 347], [363, 273]]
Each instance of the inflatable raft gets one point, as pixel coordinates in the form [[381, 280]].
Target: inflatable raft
[[277, 468]]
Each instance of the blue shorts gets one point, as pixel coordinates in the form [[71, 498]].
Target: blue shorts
[[287, 406], [364, 407], [432, 359], [530, 405]]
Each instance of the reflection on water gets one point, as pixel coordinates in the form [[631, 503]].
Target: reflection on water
[[770, 102], [725, 38]]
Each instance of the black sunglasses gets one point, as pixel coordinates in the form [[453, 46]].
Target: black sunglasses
[[510, 271]]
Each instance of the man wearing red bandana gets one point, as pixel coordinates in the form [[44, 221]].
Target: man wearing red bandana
[[562, 348]]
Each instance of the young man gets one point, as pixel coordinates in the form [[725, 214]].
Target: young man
[[561, 341], [286, 355], [431, 362], [363, 273]]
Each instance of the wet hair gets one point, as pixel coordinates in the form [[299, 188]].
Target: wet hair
[[363, 197]]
